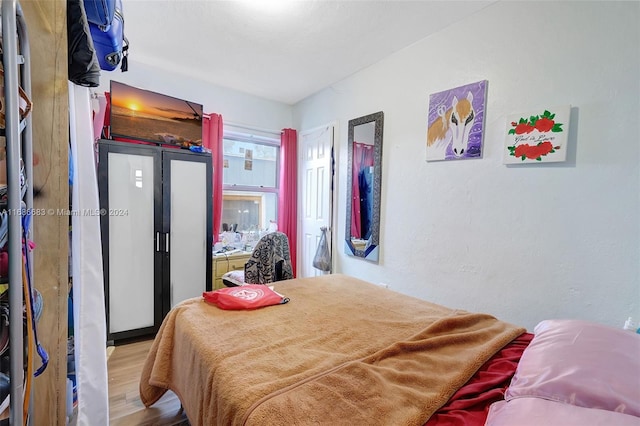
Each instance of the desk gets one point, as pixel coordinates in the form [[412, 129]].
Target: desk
[[223, 263]]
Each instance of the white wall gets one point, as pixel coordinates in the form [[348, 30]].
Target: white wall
[[235, 107], [523, 243]]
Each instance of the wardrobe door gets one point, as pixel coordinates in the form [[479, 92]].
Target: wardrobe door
[[130, 179], [187, 221]]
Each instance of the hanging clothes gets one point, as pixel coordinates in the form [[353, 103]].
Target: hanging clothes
[[362, 158], [270, 260], [365, 180], [83, 68], [90, 330]]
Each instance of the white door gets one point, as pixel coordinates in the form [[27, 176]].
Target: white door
[[315, 194], [132, 285], [188, 230]]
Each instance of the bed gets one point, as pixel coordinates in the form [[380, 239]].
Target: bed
[[342, 351]]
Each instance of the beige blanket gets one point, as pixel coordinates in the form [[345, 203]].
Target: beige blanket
[[341, 352]]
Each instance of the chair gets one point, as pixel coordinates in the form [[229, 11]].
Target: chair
[[270, 261]]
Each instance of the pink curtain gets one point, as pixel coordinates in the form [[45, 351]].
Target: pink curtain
[[212, 139], [362, 157], [288, 199]]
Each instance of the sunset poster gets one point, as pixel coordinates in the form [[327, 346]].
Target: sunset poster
[[153, 117]]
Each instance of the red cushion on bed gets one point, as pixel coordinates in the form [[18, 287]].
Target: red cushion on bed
[[469, 406]]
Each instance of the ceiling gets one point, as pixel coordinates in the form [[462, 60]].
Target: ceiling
[[285, 53]]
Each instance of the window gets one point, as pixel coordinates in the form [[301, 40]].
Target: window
[[250, 182]]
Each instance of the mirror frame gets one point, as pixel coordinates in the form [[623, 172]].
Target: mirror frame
[[372, 250]]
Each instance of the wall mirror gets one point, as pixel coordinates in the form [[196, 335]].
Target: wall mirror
[[362, 235]]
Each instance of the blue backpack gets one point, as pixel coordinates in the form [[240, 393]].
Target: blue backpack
[[109, 41], [100, 12]]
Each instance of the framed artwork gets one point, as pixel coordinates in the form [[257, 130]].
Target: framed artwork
[[153, 117], [537, 136], [455, 123]]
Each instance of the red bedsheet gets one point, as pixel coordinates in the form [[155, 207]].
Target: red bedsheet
[[469, 406]]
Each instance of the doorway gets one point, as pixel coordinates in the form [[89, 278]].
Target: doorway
[[316, 177]]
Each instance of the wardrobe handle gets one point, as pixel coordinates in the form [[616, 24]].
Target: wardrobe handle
[[157, 241], [166, 246]]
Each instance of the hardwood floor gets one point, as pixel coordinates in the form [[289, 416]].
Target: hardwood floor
[[125, 408]]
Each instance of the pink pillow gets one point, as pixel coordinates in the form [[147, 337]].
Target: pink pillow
[[581, 363], [537, 412]]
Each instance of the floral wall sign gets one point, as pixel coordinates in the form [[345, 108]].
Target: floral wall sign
[[537, 137]]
